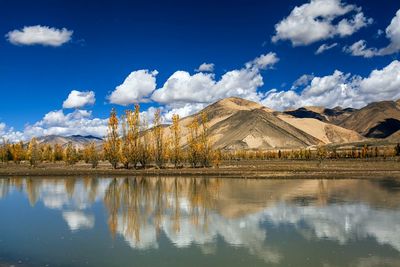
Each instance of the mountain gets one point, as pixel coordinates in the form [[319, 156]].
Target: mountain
[[331, 115], [394, 138], [236, 123], [78, 141], [326, 132], [376, 120]]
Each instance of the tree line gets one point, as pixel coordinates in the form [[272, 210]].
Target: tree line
[[131, 143]]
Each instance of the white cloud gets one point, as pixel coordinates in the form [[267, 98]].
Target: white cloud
[[393, 34], [359, 48], [302, 81], [205, 67], [78, 122], [2, 128], [325, 47], [77, 99], [314, 21], [340, 89], [136, 88], [39, 35], [264, 61], [347, 27], [183, 89]]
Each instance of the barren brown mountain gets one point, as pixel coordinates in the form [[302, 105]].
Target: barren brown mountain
[[332, 115], [376, 120], [236, 123]]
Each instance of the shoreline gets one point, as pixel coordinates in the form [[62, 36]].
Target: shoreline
[[250, 169]]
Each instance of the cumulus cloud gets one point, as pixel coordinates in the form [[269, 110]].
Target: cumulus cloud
[[325, 47], [182, 88], [340, 89], [136, 88], [39, 35], [78, 99], [205, 67], [264, 61], [315, 21], [78, 122], [359, 48]]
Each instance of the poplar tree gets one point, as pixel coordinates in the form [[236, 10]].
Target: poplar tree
[[193, 152], [176, 155], [158, 135], [33, 153], [70, 154], [205, 146], [18, 152], [112, 142]]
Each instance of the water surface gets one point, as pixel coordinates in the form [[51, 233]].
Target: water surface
[[198, 222]]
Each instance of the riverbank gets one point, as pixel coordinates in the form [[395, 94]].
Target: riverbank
[[251, 169]]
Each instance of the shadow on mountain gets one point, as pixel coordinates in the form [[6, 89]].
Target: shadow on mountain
[[384, 128]]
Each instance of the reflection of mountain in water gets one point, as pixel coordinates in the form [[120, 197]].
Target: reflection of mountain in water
[[198, 210]]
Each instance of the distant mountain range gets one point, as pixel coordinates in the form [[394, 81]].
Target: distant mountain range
[[78, 141], [236, 123]]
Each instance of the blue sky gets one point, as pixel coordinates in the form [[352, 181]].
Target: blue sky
[[105, 41]]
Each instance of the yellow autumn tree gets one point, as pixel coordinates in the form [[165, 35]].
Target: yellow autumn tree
[[70, 154], [33, 153], [158, 138], [193, 151], [47, 152], [175, 136], [57, 153], [126, 143], [144, 148], [18, 152], [204, 142], [91, 155], [112, 143]]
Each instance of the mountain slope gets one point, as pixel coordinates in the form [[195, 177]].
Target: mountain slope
[[258, 129], [77, 140], [327, 133], [332, 115], [376, 120]]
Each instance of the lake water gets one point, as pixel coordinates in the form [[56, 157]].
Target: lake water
[[198, 222]]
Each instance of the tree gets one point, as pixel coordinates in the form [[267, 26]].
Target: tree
[[4, 151], [91, 154], [47, 152], [126, 143], [145, 150], [70, 154], [176, 153], [57, 153], [112, 143], [158, 135], [193, 152], [397, 150], [205, 146], [18, 152], [133, 119], [33, 153]]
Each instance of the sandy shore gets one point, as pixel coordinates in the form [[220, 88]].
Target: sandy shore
[[256, 169]]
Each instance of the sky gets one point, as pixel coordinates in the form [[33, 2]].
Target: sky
[[65, 64]]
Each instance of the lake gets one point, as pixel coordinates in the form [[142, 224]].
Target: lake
[[199, 222]]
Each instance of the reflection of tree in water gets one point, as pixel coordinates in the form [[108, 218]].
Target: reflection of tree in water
[[112, 202], [32, 189], [141, 202]]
